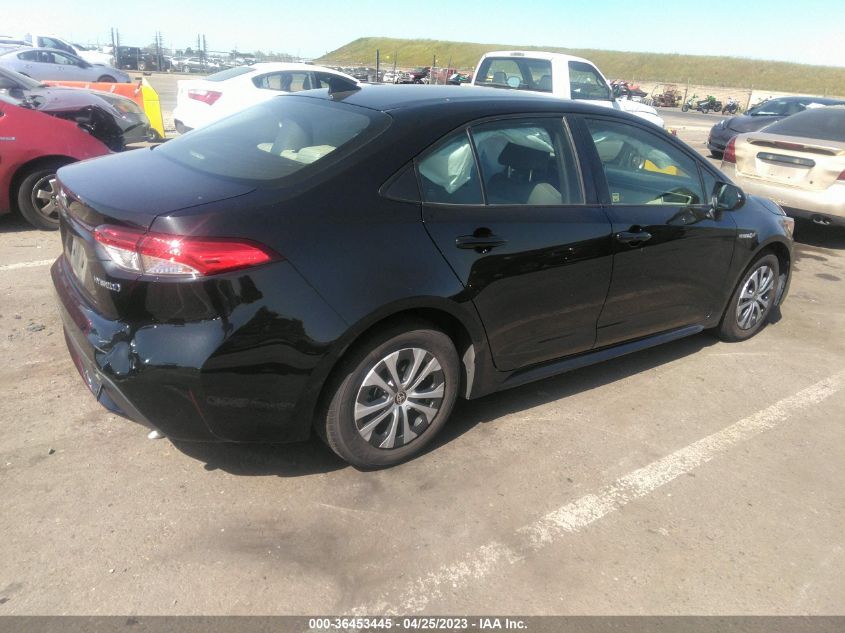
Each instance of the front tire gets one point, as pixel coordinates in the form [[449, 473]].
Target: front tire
[[685, 108], [37, 197], [752, 301], [107, 79], [391, 396]]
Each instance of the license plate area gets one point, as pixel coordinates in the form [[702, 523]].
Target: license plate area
[[78, 258]]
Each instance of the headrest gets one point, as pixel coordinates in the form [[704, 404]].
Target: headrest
[[524, 158]]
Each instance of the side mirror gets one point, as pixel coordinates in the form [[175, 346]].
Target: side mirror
[[727, 197]]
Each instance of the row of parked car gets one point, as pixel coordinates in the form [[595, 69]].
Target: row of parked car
[[558, 231], [44, 127]]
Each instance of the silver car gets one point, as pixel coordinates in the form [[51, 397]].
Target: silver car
[[54, 65], [799, 162]]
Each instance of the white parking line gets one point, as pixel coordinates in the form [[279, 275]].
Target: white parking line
[[577, 515], [40, 262]]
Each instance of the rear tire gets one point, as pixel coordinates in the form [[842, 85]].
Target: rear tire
[[752, 302], [107, 79], [37, 197], [371, 421]]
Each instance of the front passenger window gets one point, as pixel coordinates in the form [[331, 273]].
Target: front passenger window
[[642, 168]]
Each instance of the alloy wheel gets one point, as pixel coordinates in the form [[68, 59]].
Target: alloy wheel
[[755, 297], [399, 398], [44, 195]]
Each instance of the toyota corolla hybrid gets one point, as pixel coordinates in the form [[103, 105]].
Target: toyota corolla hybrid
[[353, 261]]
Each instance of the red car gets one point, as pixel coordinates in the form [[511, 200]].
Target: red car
[[33, 145]]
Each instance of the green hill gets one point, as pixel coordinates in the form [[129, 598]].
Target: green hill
[[732, 72]]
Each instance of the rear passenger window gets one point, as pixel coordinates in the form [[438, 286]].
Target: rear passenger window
[[448, 174], [527, 162], [642, 168]]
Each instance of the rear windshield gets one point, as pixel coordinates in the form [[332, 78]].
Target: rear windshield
[[277, 139], [518, 73], [223, 75], [826, 123]]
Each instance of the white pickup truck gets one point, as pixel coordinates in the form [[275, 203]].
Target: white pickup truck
[[51, 41], [557, 74]]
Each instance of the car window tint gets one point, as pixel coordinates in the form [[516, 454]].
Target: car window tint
[[448, 173], [28, 56], [276, 139], [585, 82], [773, 107], [269, 81], [827, 123], [321, 80], [284, 81], [519, 73], [58, 58], [527, 162], [297, 81], [642, 168]]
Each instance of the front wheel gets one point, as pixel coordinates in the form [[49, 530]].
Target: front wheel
[[391, 396], [685, 108], [107, 79], [752, 301]]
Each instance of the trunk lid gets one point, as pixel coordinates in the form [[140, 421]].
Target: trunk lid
[[114, 191], [811, 164]]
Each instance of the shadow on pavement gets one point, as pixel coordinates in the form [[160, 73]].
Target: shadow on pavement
[[312, 457], [811, 234], [13, 223]]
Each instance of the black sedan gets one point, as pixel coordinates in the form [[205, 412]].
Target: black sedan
[[758, 117], [352, 260]]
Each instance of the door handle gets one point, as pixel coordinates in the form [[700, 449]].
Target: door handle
[[481, 243], [632, 238]]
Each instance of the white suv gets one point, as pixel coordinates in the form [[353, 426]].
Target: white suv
[[557, 74]]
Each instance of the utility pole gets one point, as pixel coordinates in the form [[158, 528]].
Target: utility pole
[[204, 54], [378, 65]]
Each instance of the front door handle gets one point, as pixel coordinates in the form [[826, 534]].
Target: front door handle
[[632, 238], [481, 243]]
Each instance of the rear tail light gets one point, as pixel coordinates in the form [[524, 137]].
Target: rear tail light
[[206, 96], [841, 176], [178, 256], [730, 152]]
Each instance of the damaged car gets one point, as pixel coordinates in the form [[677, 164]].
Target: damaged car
[[43, 128]]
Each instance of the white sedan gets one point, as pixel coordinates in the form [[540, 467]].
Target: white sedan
[[202, 101]]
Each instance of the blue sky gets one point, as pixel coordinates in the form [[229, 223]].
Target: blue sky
[[808, 31]]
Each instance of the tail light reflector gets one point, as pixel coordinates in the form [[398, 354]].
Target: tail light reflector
[[206, 96], [729, 155], [179, 256]]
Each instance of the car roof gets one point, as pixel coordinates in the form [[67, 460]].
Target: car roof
[[823, 100], [33, 48], [405, 99], [538, 55]]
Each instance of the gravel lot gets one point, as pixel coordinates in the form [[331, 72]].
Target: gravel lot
[[695, 478]]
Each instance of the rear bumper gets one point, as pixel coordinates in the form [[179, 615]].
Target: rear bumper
[[827, 205], [249, 376]]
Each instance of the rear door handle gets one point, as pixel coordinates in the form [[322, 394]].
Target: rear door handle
[[633, 238], [481, 243]]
